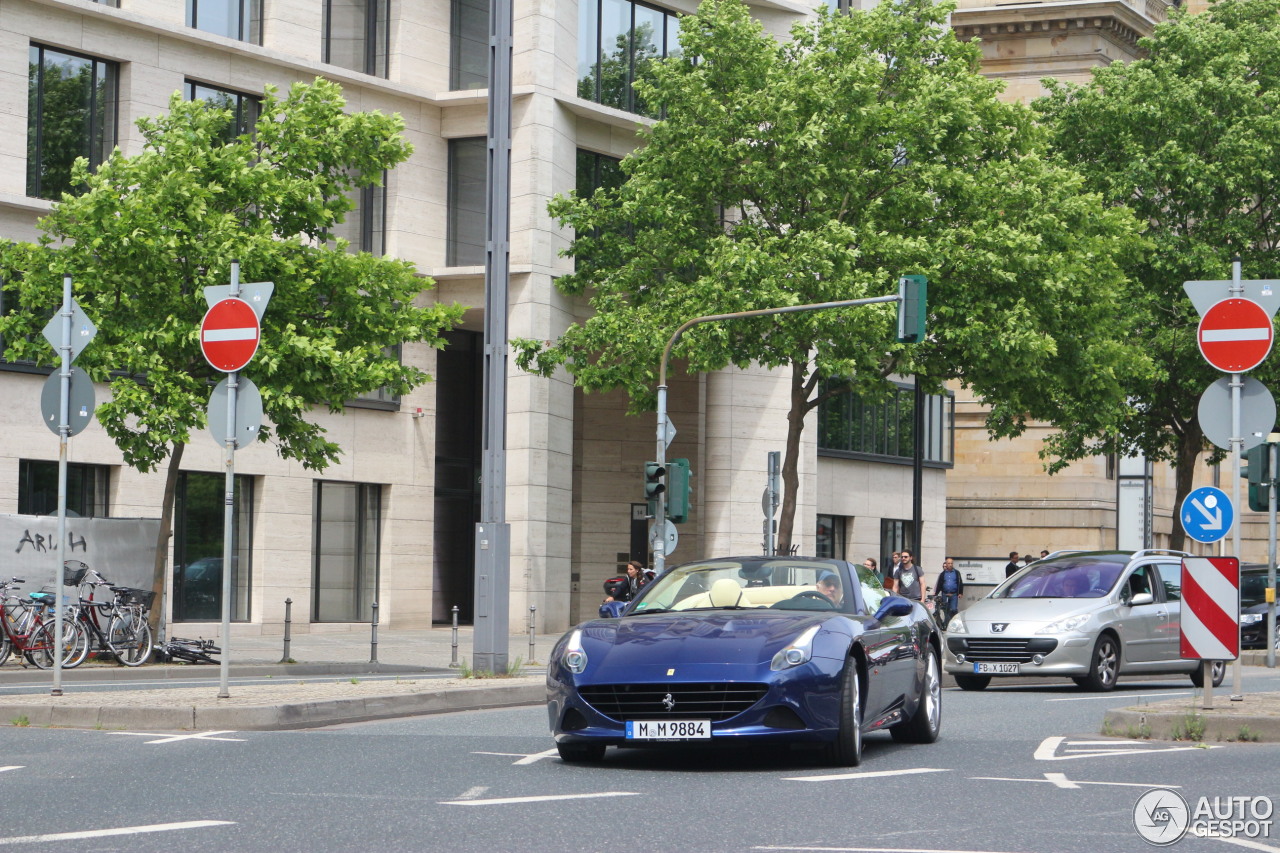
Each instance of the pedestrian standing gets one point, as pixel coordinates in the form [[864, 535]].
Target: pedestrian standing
[[950, 587], [908, 579], [1012, 566]]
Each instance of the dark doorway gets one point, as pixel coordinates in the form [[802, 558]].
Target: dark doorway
[[459, 401]]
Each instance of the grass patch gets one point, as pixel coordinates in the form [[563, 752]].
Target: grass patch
[[21, 721], [514, 668], [1191, 727]]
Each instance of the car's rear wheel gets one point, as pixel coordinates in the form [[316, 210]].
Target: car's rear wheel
[[846, 749], [580, 751], [1104, 669], [1218, 671], [924, 725], [972, 682]]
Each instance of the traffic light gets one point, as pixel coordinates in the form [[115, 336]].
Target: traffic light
[[678, 490], [653, 486], [1256, 468], [912, 299]]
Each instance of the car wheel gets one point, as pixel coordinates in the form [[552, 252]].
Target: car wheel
[[1218, 671], [580, 751], [924, 725], [846, 749], [1105, 668], [972, 682]]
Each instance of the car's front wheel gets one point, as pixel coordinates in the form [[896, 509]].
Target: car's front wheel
[[580, 751], [924, 725], [972, 682], [1104, 669], [846, 749], [1218, 671]]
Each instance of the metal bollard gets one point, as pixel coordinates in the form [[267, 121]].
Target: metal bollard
[[533, 610], [288, 625], [373, 643], [454, 662]]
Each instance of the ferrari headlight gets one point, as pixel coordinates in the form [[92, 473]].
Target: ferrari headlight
[[956, 625], [1063, 626], [799, 651], [575, 657], [1250, 618]]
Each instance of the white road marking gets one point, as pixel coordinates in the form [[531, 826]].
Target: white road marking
[[124, 830], [472, 793], [1113, 697], [872, 774], [876, 850], [12, 767], [1048, 748], [174, 738], [1247, 843], [538, 756], [550, 798], [1060, 780]]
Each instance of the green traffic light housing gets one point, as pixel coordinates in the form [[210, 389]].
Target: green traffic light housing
[[1255, 467], [678, 490], [912, 307]]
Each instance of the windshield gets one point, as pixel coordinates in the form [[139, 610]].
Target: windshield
[[778, 584], [1070, 577]]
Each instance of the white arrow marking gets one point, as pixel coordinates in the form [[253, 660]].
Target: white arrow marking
[[1060, 780], [124, 830], [550, 798], [1211, 522], [245, 334], [1210, 336], [12, 767], [1048, 748], [873, 774], [173, 738]]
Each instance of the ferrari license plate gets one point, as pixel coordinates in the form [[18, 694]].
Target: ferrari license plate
[[668, 729], [995, 669]]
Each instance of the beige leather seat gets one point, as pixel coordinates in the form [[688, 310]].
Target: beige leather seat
[[726, 593]]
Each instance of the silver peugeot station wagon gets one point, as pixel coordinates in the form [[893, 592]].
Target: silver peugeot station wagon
[[1089, 616]]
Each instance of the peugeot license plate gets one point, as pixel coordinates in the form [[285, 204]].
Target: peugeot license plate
[[668, 729], [995, 669]]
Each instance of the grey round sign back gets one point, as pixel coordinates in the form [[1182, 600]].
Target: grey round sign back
[[1257, 412], [80, 404], [248, 412]]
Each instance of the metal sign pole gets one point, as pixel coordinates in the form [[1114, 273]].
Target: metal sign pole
[[64, 434], [660, 502], [1272, 449], [229, 513], [1237, 448]]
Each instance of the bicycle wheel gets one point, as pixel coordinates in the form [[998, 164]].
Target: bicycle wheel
[[41, 644], [130, 638], [6, 647], [82, 650]]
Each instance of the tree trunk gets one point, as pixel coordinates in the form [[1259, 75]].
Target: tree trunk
[[162, 540], [1189, 447], [791, 458]]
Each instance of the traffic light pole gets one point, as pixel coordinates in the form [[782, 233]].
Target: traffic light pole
[[660, 516], [1237, 450]]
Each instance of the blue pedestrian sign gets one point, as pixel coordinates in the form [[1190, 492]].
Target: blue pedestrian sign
[[1207, 514]]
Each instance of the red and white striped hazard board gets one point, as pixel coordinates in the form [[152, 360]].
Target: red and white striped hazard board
[[1210, 608]]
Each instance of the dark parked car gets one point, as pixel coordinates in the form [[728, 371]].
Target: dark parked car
[[745, 650], [1253, 607]]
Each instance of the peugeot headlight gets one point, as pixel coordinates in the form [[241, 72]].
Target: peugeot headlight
[[1064, 626], [956, 625], [575, 656], [798, 652], [1250, 618]]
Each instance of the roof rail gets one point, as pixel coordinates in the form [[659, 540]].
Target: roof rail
[[1146, 552]]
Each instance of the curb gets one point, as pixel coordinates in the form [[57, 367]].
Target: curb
[[272, 717], [160, 672], [1172, 725]]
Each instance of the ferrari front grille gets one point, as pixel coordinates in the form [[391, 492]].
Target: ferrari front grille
[[714, 701]]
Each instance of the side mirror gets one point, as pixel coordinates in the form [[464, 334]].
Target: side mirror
[[612, 609], [893, 605], [1142, 598]]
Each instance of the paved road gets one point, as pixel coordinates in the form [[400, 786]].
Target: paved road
[[1019, 768]]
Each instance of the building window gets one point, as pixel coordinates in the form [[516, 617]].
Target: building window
[[598, 171], [618, 43], [357, 35], [469, 45], [86, 489], [9, 299], [244, 108], [849, 425], [236, 19], [831, 537], [380, 398], [468, 171], [348, 519], [364, 226], [71, 108], [895, 535], [199, 510]]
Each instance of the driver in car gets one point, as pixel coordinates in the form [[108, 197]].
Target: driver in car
[[829, 586], [1073, 586]]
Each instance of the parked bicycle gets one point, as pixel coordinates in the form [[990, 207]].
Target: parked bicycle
[[118, 627], [27, 628], [191, 651]]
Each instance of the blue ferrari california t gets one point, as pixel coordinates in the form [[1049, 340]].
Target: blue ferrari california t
[[740, 650]]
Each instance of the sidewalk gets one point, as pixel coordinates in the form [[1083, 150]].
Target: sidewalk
[[418, 660]]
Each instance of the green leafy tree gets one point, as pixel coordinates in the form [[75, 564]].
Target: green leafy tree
[[1189, 139], [820, 169], [151, 231]]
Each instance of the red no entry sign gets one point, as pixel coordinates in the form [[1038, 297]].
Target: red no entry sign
[[229, 334], [1235, 335]]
